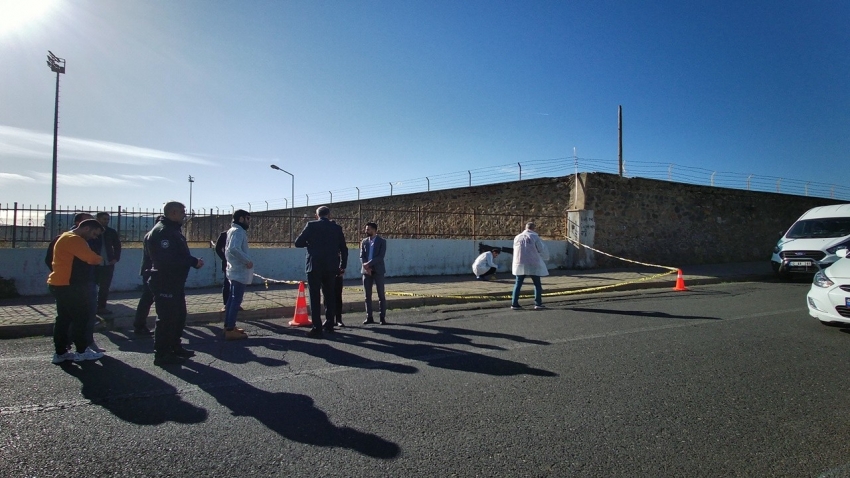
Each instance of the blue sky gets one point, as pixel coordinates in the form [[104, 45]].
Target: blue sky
[[347, 94]]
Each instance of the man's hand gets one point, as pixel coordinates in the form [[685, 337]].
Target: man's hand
[[200, 264]]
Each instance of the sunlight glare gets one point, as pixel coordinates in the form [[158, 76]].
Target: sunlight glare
[[18, 14]]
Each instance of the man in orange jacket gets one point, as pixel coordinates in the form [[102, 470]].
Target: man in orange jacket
[[69, 283]]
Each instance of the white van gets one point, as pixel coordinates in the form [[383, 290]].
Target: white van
[[810, 244]]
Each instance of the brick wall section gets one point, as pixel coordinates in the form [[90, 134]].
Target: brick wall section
[[675, 224], [641, 219], [495, 211]]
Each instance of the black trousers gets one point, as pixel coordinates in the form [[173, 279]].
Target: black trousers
[[338, 297], [72, 312], [170, 302], [321, 283], [225, 290], [144, 307], [103, 277]]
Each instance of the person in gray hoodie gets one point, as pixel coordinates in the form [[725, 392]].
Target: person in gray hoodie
[[240, 271]]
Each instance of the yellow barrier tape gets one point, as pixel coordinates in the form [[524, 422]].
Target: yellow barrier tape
[[670, 270], [674, 269], [266, 281]]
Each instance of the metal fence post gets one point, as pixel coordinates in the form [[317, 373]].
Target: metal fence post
[[14, 225], [118, 225]]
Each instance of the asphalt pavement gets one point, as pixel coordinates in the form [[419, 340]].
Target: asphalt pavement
[[732, 379], [34, 315]]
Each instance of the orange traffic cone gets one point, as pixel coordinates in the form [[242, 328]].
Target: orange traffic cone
[[680, 282], [301, 319]]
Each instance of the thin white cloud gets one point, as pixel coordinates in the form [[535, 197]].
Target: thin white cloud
[[6, 178], [136, 177], [32, 144], [87, 180]]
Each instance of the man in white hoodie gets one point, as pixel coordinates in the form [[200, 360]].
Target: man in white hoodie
[[240, 271]]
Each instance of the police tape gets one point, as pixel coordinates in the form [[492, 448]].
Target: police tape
[[267, 280], [670, 270]]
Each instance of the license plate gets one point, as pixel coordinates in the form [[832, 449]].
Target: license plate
[[799, 263]]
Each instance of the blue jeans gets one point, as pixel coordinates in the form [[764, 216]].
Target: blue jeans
[[538, 290], [237, 291]]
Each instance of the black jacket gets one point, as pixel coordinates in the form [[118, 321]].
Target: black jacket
[[169, 254], [109, 242], [219, 250], [325, 243]]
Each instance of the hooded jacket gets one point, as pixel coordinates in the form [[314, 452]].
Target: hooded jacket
[[236, 253]]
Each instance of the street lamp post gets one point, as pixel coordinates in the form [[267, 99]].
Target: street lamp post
[[189, 224], [291, 204], [57, 65]]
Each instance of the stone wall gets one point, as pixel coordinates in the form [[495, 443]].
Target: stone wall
[[495, 211], [641, 219], [675, 224]]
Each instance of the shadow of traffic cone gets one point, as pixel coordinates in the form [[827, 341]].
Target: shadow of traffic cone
[[680, 282], [301, 319]]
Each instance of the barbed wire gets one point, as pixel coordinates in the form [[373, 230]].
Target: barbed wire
[[557, 167]]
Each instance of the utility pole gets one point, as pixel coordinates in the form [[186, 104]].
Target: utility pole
[[620, 136]]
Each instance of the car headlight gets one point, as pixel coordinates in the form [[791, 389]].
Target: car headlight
[[821, 280], [843, 245]]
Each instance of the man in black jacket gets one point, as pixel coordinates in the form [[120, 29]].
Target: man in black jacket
[[220, 244], [327, 257], [108, 245], [170, 263]]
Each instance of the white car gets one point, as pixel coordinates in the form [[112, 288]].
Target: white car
[[829, 297]]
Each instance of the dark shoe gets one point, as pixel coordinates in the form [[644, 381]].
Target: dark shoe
[[368, 320], [339, 323], [103, 311], [383, 321], [143, 331], [315, 333], [184, 353], [167, 359]]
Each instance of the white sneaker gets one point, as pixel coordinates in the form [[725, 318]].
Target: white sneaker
[[57, 358], [89, 354], [540, 307]]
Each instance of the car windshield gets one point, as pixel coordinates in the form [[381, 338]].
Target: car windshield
[[820, 228]]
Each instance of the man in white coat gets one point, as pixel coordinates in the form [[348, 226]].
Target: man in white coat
[[240, 271], [529, 256], [485, 266]]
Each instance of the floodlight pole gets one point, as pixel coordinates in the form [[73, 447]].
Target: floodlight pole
[[191, 181], [56, 65]]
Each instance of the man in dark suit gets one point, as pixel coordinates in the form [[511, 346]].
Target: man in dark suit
[[327, 257], [372, 251]]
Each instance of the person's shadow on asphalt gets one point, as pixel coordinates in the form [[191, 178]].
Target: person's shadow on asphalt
[[131, 394], [435, 350], [293, 416]]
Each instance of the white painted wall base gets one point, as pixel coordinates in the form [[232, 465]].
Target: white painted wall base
[[405, 257]]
